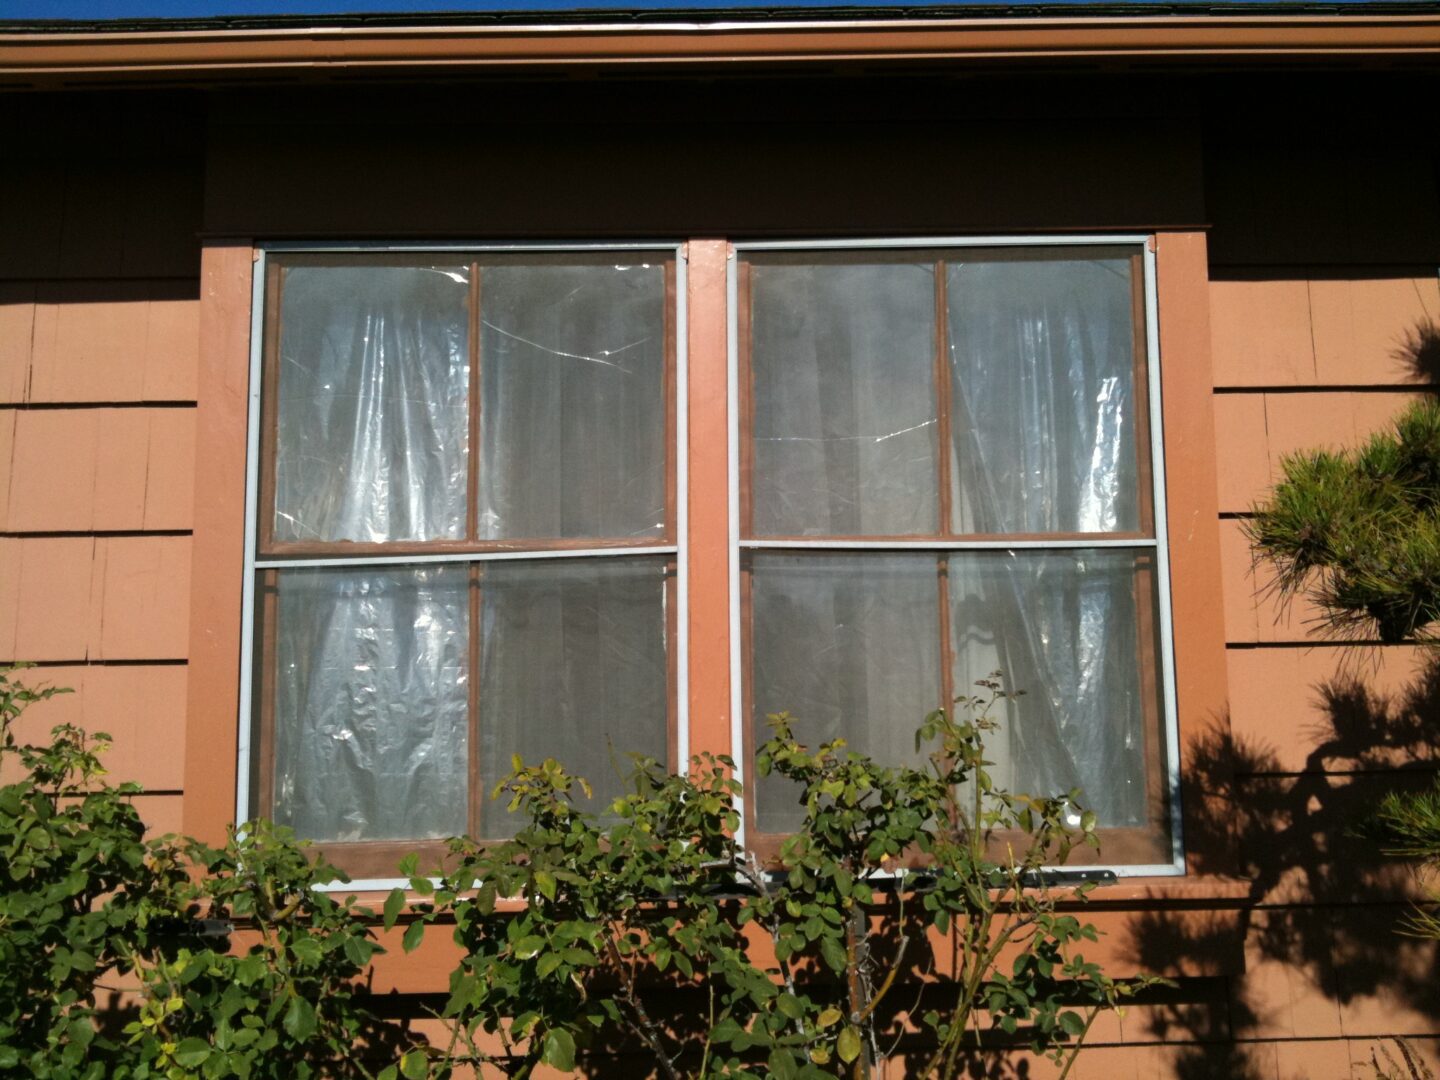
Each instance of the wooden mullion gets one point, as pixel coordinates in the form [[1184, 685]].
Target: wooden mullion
[[746, 404], [669, 389], [942, 404], [1147, 659], [474, 796], [927, 543], [264, 705], [269, 406], [747, 697], [673, 660], [474, 788], [1144, 467], [360, 550], [472, 464]]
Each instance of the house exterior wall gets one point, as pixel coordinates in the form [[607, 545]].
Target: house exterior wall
[[1319, 205]]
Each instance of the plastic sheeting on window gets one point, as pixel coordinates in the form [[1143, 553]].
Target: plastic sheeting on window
[[848, 645], [573, 415], [1042, 364], [372, 684], [371, 410], [574, 668], [845, 432], [1070, 629], [373, 401], [371, 717]]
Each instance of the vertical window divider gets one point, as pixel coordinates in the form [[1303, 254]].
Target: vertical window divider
[[943, 441], [472, 533], [269, 406]]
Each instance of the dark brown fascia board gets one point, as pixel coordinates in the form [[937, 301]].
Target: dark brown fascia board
[[198, 56]]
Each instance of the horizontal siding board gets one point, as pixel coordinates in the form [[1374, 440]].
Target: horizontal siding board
[[113, 341], [142, 598], [78, 470], [1364, 328], [1260, 332], [141, 707], [17, 331], [94, 598], [1335, 709], [1255, 431]]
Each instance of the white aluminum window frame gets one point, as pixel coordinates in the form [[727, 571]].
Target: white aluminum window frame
[[1159, 543], [253, 563]]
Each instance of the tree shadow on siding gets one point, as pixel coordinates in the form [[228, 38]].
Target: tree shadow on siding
[[1323, 902], [1418, 353]]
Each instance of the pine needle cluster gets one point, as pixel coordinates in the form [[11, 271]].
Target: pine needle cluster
[[1359, 532]]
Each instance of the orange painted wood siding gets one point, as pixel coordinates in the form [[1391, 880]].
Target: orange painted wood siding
[[99, 309]]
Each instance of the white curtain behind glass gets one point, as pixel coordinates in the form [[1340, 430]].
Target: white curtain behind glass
[[372, 403]]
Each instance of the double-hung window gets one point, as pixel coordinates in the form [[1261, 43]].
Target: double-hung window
[[465, 534], [948, 467], [468, 539]]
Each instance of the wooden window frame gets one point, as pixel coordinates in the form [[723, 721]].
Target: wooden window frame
[[708, 676]]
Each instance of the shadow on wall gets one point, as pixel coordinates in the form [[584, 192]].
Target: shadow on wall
[[1418, 353], [1324, 902]]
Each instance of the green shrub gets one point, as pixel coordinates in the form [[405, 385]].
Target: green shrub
[[647, 926]]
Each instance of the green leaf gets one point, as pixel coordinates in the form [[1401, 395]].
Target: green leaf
[[782, 1064], [1071, 1023], [413, 933], [414, 1066], [726, 1030], [394, 903], [307, 949], [559, 1050], [834, 953], [790, 1005], [192, 1052], [848, 1045], [299, 1019], [829, 1018], [548, 963], [545, 882], [528, 947]]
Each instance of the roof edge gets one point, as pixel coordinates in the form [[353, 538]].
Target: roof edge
[[176, 54]]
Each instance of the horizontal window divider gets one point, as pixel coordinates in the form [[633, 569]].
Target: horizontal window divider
[[948, 545], [465, 557], [866, 243], [282, 247]]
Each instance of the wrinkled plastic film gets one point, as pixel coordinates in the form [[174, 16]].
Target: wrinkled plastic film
[[371, 716], [1042, 361], [573, 418], [371, 411], [845, 430], [574, 668], [1064, 627], [848, 645]]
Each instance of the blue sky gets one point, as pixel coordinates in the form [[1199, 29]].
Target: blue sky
[[91, 10]]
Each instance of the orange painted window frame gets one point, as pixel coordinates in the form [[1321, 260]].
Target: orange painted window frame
[[212, 719]]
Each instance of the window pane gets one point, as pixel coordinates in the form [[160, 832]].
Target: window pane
[[370, 702], [573, 419], [1042, 359], [842, 355], [1077, 631], [372, 403], [574, 668], [848, 645]]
